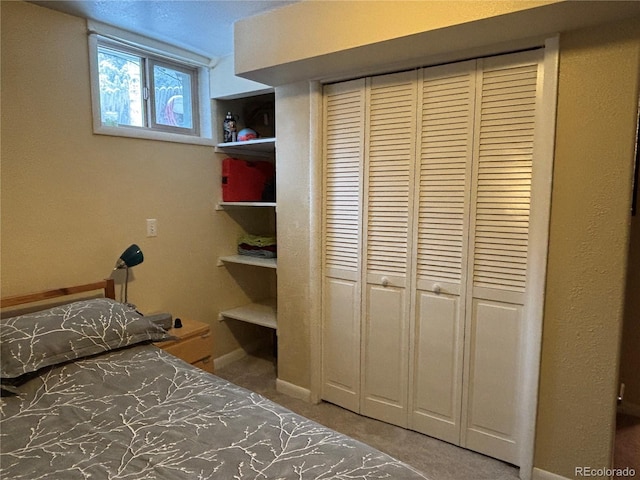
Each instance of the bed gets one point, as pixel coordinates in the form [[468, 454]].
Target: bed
[[85, 394]]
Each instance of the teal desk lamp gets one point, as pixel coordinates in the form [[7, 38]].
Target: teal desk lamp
[[131, 257]]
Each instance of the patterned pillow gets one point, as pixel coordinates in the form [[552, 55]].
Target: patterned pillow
[[41, 339]]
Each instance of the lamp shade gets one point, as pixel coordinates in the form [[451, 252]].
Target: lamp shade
[[131, 257]]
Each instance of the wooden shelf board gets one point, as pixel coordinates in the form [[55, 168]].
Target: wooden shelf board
[[259, 313], [248, 260]]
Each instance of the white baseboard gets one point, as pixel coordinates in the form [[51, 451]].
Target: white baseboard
[[539, 474], [235, 355], [293, 390]]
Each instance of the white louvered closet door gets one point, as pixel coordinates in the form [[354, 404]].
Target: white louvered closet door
[[427, 248], [500, 207], [344, 112], [445, 147], [389, 165]]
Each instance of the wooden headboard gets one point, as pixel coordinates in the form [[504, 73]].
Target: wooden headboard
[[106, 285]]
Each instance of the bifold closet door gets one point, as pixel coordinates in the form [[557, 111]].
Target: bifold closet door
[[445, 146], [344, 112], [389, 165], [426, 247], [506, 110]]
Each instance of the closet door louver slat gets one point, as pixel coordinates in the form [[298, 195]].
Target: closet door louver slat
[[389, 165], [504, 164], [343, 160], [444, 169]]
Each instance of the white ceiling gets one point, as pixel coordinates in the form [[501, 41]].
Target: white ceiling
[[201, 26]]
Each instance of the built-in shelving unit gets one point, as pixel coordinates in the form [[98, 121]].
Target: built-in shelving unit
[[260, 312]]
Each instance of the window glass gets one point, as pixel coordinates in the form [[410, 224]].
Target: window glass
[[121, 94], [173, 100]]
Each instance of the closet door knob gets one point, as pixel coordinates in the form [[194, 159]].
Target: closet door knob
[[437, 289], [385, 282]]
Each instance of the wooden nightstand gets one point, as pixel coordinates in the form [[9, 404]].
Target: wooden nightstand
[[194, 344]]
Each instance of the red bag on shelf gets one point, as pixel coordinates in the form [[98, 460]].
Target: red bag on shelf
[[245, 180]]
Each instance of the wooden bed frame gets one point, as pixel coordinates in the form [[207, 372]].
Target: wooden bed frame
[[106, 285]]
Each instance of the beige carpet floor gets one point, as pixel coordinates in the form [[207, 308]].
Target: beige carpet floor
[[437, 460]]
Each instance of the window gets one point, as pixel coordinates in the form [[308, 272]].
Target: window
[[148, 91], [138, 90], [174, 105]]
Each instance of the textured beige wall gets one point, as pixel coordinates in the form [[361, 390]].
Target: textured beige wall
[[597, 98], [332, 40], [293, 180], [73, 201], [309, 23]]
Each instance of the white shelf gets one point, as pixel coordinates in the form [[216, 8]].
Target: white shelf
[[265, 144], [223, 205], [248, 260], [260, 146], [259, 313]]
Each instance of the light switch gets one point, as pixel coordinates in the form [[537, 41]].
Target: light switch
[[152, 227]]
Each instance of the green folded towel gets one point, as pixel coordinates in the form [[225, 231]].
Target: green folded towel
[[257, 240]]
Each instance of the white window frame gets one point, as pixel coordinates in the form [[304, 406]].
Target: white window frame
[[153, 62], [156, 52]]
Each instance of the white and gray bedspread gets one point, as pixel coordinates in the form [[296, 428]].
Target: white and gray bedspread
[[139, 413]]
